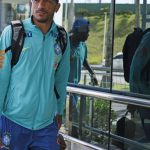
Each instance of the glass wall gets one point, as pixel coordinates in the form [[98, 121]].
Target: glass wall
[[12, 10], [131, 59], [127, 120]]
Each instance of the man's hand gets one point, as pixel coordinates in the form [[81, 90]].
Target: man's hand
[[94, 79], [2, 52], [58, 120]]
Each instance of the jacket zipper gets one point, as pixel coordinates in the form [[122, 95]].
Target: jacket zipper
[[39, 95]]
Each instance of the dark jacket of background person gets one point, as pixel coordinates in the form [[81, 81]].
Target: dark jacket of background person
[[140, 77], [131, 43]]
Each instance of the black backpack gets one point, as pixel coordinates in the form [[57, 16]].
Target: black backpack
[[124, 128], [18, 36], [131, 43]]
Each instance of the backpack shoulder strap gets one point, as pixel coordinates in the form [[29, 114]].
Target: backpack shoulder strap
[[62, 37], [18, 35]]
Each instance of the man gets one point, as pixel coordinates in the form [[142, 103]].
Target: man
[[78, 35], [31, 113]]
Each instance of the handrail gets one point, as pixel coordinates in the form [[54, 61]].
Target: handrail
[[116, 137], [109, 96], [119, 138], [105, 94], [74, 140]]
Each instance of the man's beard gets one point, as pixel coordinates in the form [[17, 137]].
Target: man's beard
[[42, 19]]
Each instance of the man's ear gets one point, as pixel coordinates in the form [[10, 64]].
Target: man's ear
[[57, 7]]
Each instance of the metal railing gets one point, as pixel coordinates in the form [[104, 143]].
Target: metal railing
[[109, 97], [77, 141]]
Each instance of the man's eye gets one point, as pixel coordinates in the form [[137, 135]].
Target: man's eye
[[45, 1], [51, 1], [35, 1]]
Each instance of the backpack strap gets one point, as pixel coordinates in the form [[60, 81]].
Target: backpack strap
[[18, 35], [62, 40]]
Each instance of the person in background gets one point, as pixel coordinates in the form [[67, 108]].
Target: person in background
[[30, 110], [78, 58], [140, 84], [78, 35]]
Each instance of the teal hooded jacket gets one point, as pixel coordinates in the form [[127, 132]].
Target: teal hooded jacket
[[27, 94]]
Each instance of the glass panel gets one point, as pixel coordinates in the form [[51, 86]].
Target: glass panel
[[130, 20], [131, 48], [88, 119], [133, 125], [99, 44], [124, 24], [12, 10]]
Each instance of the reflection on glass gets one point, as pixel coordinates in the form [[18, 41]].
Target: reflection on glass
[[78, 36], [11, 11], [99, 43], [87, 114], [133, 39], [129, 23], [131, 122]]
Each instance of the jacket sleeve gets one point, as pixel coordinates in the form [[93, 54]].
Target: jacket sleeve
[[5, 41], [139, 70], [61, 78]]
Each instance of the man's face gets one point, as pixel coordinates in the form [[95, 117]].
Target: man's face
[[83, 34], [43, 10]]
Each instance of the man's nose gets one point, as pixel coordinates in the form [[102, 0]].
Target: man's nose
[[41, 3]]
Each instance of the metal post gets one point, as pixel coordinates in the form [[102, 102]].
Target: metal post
[[69, 114], [30, 8], [71, 15], [82, 111], [91, 114], [137, 13], [66, 12], [0, 16], [104, 40], [144, 14], [82, 98]]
